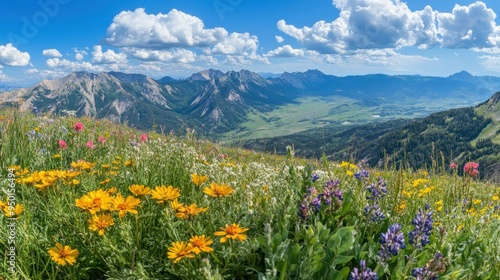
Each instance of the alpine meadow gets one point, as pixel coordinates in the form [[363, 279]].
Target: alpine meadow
[[259, 140], [90, 199]]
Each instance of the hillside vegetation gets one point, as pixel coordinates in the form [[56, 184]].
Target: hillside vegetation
[[456, 135], [89, 199]]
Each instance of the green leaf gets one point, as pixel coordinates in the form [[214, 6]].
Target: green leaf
[[342, 259], [342, 240]]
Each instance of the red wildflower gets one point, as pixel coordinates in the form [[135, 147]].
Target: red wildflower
[[62, 144], [471, 168], [78, 127]]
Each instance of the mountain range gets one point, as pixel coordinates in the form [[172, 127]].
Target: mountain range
[[214, 102]]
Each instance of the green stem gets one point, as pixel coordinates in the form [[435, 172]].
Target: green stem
[[410, 261]]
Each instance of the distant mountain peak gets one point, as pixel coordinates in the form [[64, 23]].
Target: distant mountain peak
[[462, 75], [206, 75]]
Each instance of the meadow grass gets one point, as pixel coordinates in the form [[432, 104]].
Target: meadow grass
[[226, 213]]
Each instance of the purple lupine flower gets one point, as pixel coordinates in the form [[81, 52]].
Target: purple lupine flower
[[419, 237], [331, 192], [391, 242], [363, 273], [362, 174], [315, 177], [378, 190], [316, 204], [374, 213], [431, 269], [306, 205]]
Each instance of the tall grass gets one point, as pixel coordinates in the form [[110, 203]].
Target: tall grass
[[305, 219]]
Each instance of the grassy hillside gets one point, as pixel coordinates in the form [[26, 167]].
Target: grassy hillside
[[456, 135], [140, 205]]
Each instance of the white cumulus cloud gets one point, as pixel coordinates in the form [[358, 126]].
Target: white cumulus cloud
[[107, 57], [175, 29], [237, 43], [468, 27], [11, 56], [177, 55], [380, 24], [288, 51], [52, 53], [177, 37]]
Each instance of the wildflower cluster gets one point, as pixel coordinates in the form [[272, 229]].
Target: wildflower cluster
[[362, 175], [363, 273], [196, 245], [419, 236], [199, 244], [99, 201], [331, 196], [391, 242], [376, 192], [471, 168], [44, 179]]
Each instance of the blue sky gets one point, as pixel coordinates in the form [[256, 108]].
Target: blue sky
[[48, 39]]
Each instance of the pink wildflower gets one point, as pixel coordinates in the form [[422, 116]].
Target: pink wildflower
[[90, 144], [471, 168], [453, 166], [144, 137], [62, 144], [78, 127], [102, 139]]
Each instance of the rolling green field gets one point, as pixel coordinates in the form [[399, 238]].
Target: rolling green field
[[314, 112]]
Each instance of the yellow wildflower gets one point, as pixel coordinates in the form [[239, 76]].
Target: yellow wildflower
[[63, 254], [180, 250], [176, 205], [217, 190], [233, 231], [139, 190], [82, 165], [163, 193], [124, 206], [200, 244], [187, 212], [11, 211], [198, 179], [95, 201], [438, 205], [100, 223]]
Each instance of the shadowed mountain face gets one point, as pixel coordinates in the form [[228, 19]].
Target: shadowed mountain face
[[215, 102]]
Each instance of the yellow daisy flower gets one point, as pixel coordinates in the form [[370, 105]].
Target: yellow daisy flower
[[163, 193], [186, 212], [198, 179], [139, 190], [233, 231], [217, 190], [100, 223], [123, 205], [200, 244], [179, 250], [63, 254]]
